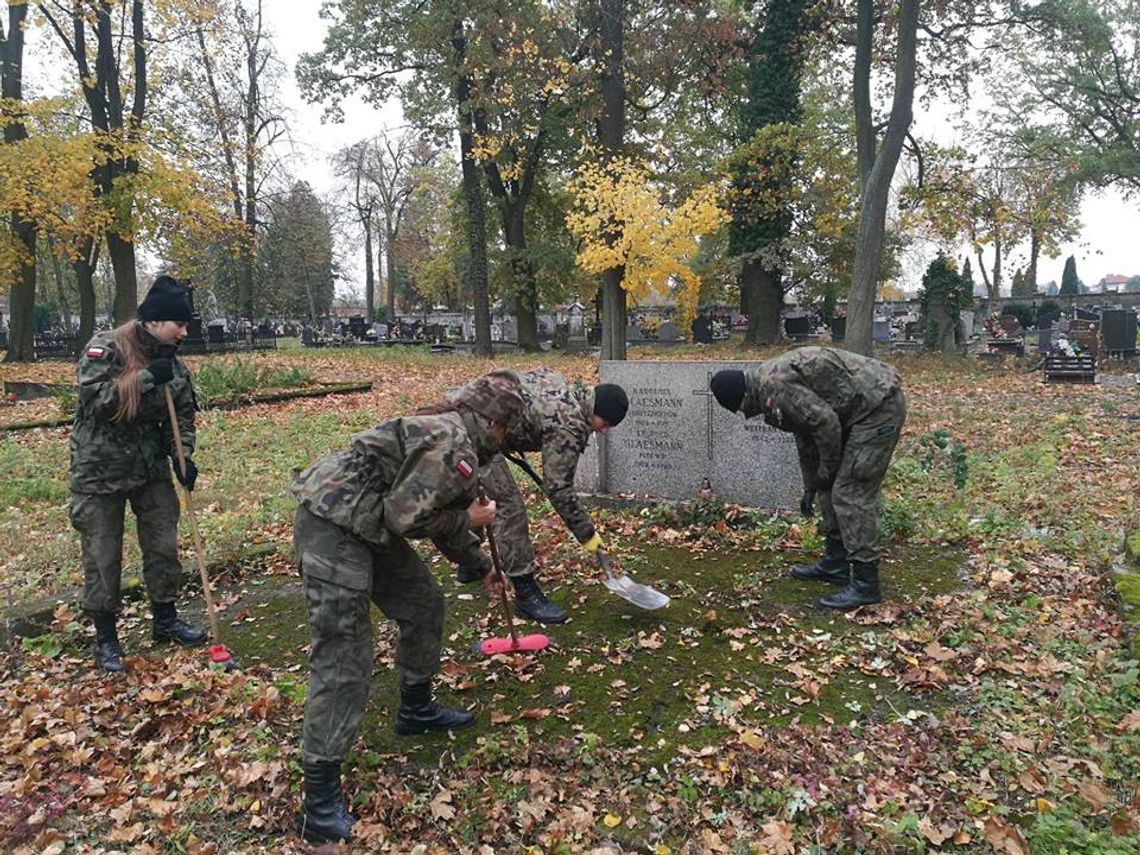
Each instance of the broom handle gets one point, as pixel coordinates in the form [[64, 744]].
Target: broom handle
[[502, 579], [199, 550]]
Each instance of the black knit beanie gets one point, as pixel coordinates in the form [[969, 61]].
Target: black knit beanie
[[611, 403], [165, 301], [728, 388]]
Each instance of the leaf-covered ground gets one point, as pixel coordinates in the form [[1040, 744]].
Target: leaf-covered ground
[[992, 704]]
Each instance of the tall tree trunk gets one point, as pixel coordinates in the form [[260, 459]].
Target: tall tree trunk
[[84, 267], [879, 165], [1034, 254], [762, 292], [122, 255], [611, 136], [985, 273], [472, 197], [250, 120], [523, 277], [369, 275], [775, 62], [390, 263], [22, 295], [60, 286], [995, 291]]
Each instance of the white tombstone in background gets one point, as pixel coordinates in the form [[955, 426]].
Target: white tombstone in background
[[576, 321]]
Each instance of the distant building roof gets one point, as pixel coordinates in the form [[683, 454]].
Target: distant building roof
[[1114, 279]]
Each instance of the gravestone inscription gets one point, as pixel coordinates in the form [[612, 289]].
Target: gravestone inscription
[[675, 437]]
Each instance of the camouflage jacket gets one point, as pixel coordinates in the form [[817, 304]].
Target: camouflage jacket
[[408, 477], [110, 457], [556, 422], [817, 393]]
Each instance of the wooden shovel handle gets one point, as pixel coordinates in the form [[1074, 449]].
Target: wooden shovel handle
[[199, 549], [506, 604]]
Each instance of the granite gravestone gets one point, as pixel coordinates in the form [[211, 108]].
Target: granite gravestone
[[676, 436], [668, 332]]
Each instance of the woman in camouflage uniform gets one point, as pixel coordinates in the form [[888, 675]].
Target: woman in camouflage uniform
[[412, 477], [120, 448], [846, 412]]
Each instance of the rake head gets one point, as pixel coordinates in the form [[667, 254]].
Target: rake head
[[522, 644]]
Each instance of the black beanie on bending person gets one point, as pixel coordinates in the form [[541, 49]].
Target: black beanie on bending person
[[728, 388], [166, 301], [611, 403]]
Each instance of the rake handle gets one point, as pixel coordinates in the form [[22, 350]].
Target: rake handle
[[506, 604], [199, 549]]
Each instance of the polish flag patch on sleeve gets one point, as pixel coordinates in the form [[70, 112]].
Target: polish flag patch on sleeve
[[96, 352], [464, 468]]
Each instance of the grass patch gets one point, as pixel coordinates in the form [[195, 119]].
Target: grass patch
[[221, 379]]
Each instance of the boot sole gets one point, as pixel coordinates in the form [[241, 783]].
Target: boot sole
[[543, 621], [170, 639], [315, 837], [846, 607], [828, 579], [414, 730]]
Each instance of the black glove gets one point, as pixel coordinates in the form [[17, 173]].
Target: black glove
[[161, 368], [807, 503], [191, 475]]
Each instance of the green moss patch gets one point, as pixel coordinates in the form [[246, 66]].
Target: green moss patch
[[741, 647], [1132, 547]]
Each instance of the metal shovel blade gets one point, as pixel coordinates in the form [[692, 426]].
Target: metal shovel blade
[[640, 595]]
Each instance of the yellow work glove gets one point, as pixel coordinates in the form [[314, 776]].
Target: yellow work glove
[[593, 544]]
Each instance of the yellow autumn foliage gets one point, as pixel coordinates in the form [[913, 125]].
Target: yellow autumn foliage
[[619, 217], [46, 179]]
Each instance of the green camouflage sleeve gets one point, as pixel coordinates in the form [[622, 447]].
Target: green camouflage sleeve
[[152, 406], [430, 494], [97, 393], [464, 551], [798, 409], [752, 405], [809, 460], [182, 388], [560, 452]]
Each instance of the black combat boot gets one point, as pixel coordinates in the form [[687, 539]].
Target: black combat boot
[[831, 566], [530, 602], [863, 590], [324, 817], [168, 626], [108, 653], [419, 713], [467, 575]]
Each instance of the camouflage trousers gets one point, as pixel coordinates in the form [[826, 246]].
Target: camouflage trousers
[[850, 509], [512, 531], [511, 528], [100, 518], [343, 576]]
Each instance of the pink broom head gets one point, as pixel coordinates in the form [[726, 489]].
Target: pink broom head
[[219, 654], [524, 644]]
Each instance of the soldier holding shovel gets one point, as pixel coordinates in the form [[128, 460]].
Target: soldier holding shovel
[[120, 452], [411, 477], [846, 412], [557, 420]]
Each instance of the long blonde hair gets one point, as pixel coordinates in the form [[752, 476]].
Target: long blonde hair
[[132, 358]]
